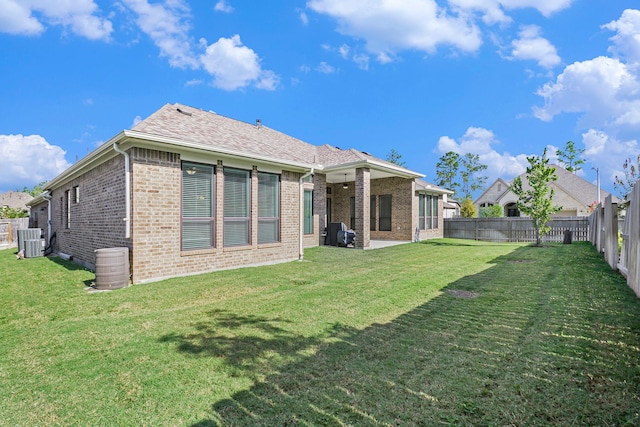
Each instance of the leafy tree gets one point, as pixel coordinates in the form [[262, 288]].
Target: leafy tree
[[460, 174], [6, 212], [394, 157], [493, 211], [467, 209], [447, 172], [35, 191], [536, 201], [570, 157], [471, 181], [624, 185]]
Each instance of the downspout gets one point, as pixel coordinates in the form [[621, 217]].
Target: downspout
[[302, 178], [47, 196], [127, 184]]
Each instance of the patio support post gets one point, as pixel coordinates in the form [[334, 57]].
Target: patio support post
[[363, 218]]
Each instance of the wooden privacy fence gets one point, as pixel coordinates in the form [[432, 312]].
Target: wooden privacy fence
[[604, 236], [9, 230], [514, 229]]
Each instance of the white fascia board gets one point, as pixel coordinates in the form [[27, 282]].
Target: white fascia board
[[96, 157], [127, 139], [372, 164], [141, 139], [434, 190]]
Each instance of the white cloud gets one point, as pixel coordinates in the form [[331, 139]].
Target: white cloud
[[223, 6], [235, 66], [80, 16], [608, 153], [29, 160], [604, 89], [493, 10], [481, 141], [136, 120], [361, 60], [530, 46], [627, 40], [325, 68], [304, 18], [388, 27], [194, 82], [166, 24]]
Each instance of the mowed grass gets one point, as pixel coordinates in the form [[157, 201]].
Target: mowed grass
[[443, 332]]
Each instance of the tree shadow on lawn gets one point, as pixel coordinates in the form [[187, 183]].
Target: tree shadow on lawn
[[511, 345]]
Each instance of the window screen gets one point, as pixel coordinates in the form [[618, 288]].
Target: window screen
[[308, 212], [385, 213], [197, 206], [236, 207], [268, 207]]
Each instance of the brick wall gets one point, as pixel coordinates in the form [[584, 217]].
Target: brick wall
[[404, 208], [156, 223], [96, 220]]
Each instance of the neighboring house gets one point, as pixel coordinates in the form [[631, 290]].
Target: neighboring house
[[451, 207], [190, 191], [573, 193], [15, 200]]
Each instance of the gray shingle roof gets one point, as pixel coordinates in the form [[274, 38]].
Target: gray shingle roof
[[194, 125], [424, 185], [15, 199], [580, 189], [184, 123]]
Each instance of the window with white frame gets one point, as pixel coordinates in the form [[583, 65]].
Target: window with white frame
[[197, 213], [237, 207], [268, 207]]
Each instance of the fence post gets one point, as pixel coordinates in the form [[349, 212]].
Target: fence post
[[611, 232]]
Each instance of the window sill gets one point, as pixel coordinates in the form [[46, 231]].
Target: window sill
[[237, 248], [198, 252], [270, 245]]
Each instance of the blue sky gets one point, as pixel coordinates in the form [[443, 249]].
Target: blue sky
[[499, 78]]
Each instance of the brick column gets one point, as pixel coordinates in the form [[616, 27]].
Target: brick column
[[320, 203], [363, 193]]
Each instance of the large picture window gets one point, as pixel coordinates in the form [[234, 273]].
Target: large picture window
[[197, 206], [268, 207], [237, 205], [385, 213], [308, 212], [427, 211]]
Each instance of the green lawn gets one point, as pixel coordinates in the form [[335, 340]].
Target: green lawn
[[444, 332]]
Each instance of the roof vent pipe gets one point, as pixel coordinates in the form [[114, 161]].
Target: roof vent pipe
[[127, 191], [258, 123]]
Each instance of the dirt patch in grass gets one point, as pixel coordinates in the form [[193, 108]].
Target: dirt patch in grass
[[462, 294]]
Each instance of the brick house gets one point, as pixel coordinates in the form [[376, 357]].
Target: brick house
[[190, 191]]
